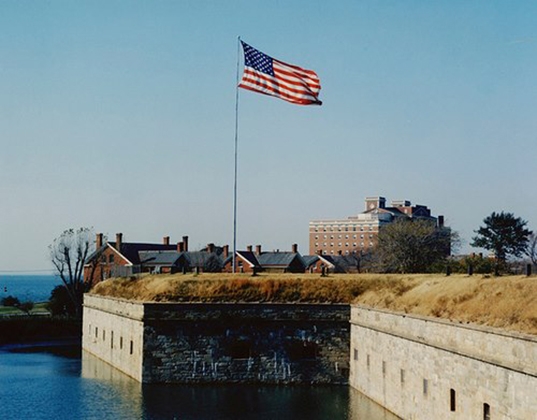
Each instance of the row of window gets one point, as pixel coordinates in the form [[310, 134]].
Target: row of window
[[112, 343], [340, 244], [346, 236], [402, 378], [344, 229]]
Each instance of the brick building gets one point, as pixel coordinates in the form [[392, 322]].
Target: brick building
[[121, 258], [358, 234]]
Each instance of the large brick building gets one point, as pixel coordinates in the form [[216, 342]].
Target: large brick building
[[357, 234]]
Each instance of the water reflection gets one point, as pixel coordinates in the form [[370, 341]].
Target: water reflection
[[237, 402], [51, 384]]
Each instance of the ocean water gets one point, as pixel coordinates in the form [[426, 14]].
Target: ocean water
[[35, 288]]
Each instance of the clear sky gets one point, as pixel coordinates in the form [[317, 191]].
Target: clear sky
[[119, 115]]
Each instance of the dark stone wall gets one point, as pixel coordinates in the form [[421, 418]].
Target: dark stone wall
[[246, 343]]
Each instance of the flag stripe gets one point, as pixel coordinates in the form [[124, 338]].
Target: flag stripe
[[269, 76], [293, 87], [270, 87]]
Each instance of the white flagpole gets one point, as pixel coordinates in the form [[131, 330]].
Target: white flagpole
[[236, 147]]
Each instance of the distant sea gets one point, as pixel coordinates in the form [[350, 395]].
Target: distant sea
[[35, 288]]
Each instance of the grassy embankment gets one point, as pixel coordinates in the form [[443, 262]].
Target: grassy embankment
[[508, 302]]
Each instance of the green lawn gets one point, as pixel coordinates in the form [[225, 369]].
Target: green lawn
[[39, 308]]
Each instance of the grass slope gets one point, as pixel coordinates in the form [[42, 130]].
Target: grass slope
[[506, 302]]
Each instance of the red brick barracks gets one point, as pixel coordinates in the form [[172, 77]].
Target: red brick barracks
[[334, 245], [357, 234]]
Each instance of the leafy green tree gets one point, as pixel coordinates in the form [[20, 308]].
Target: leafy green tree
[[68, 254], [414, 246], [503, 234]]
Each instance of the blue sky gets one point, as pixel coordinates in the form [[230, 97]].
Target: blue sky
[[119, 115]]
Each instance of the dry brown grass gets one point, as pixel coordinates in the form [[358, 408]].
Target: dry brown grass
[[506, 302]]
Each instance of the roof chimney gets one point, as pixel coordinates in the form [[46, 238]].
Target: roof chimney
[[166, 240], [210, 248], [226, 251], [440, 221], [258, 249], [99, 241], [119, 241], [249, 248], [180, 246], [294, 248], [185, 243]]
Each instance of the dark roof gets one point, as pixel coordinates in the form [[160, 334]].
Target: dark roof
[[249, 256], [199, 258], [345, 263], [277, 259], [130, 250], [309, 260], [158, 257]]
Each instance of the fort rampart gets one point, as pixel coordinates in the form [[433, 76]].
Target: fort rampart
[[219, 342], [425, 368]]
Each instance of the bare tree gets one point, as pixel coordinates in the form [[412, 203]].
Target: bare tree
[[414, 246], [68, 254]]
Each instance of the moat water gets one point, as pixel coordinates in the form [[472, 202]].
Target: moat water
[[57, 382]]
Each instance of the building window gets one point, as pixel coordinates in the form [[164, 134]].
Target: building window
[[339, 237], [339, 244], [121, 343], [111, 258], [425, 387], [104, 335], [316, 244], [354, 244], [112, 339], [346, 244], [324, 237], [362, 244], [331, 243], [96, 332], [331, 236], [346, 236], [354, 228], [316, 236], [355, 354], [486, 411], [368, 361], [361, 236], [383, 367], [452, 402], [132, 347], [402, 376]]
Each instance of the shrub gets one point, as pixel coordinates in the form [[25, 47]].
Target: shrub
[[10, 301]]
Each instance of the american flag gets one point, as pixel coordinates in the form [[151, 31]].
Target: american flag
[[266, 75]]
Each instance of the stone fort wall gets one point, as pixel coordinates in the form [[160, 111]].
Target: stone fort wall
[[425, 368], [220, 343]]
